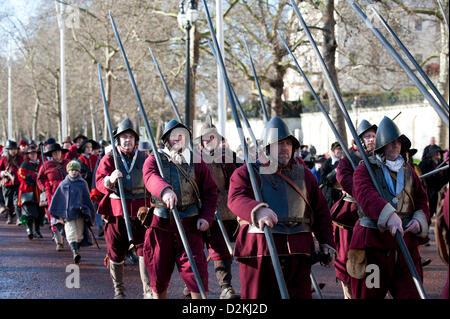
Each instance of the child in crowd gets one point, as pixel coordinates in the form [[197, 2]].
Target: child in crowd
[[72, 205]]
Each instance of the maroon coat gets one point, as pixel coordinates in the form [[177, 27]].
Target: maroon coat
[[113, 206], [50, 175], [372, 204], [208, 193], [72, 153], [241, 202], [7, 164]]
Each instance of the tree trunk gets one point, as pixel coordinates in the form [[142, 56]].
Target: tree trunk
[[195, 56], [35, 119], [277, 83], [443, 82], [329, 55]]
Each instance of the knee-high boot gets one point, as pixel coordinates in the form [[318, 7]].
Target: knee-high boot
[[116, 270], [147, 290]]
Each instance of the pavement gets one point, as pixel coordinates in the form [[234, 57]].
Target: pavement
[[33, 269]]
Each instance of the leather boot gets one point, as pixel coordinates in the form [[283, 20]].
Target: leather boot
[[222, 267], [147, 290], [116, 271], [30, 228], [59, 241], [37, 229], [76, 255]]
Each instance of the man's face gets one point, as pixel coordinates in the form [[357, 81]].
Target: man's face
[[12, 151], [392, 150], [284, 151], [23, 148], [79, 141], [73, 173], [178, 138], [56, 155], [127, 141], [369, 139], [210, 143], [33, 156], [66, 145], [88, 148], [338, 152]]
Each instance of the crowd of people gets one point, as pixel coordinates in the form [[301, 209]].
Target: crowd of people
[[320, 208]]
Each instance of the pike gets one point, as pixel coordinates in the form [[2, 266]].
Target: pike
[[437, 107], [175, 109], [443, 14], [410, 57], [239, 106], [327, 74], [261, 98], [175, 213], [434, 171], [256, 190], [116, 161], [266, 118]]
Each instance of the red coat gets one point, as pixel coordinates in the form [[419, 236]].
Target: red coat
[[50, 175], [112, 206], [208, 192], [241, 202], [89, 162], [12, 168], [72, 153], [372, 204], [28, 169]]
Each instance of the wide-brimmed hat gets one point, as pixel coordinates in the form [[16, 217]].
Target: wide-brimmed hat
[[50, 148], [33, 149], [79, 136], [11, 145], [94, 144]]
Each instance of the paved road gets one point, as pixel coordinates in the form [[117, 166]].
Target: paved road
[[34, 269]]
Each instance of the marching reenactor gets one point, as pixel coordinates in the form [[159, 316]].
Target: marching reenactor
[[222, 163], [23, 146], [9, 165], [344, 212], [88, 159], [294, 207], [73, 149], [130, 170], [51, 173], [402, 207], [29, 193], [189, 186], [330, 187]]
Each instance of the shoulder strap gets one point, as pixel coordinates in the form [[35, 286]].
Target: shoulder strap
[[191, 180], [295, 186]]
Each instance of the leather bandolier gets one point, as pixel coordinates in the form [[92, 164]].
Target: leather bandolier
[[294, 213], [347, 198], [188, 201], [219, 177], [133, 182], [403, 202]]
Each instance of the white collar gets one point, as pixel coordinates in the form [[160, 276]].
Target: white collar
[[184, 156]]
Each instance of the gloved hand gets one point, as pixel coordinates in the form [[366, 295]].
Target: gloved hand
[[202, 224], [169, 198], [394, 223], [265, 216], [115, 175], [413, 227], [328, 256]]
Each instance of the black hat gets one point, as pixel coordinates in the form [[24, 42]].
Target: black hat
[[412, 152], [173, 124], [124, 126], [50, 148], [364, 126], [388, 132], [11, 145], [283, 132], [79, 136], [33, 149], [85, 142]]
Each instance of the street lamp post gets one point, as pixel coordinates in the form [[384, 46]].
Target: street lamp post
[[186, 18]]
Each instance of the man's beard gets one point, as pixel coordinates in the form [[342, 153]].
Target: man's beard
[[283, 160]]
